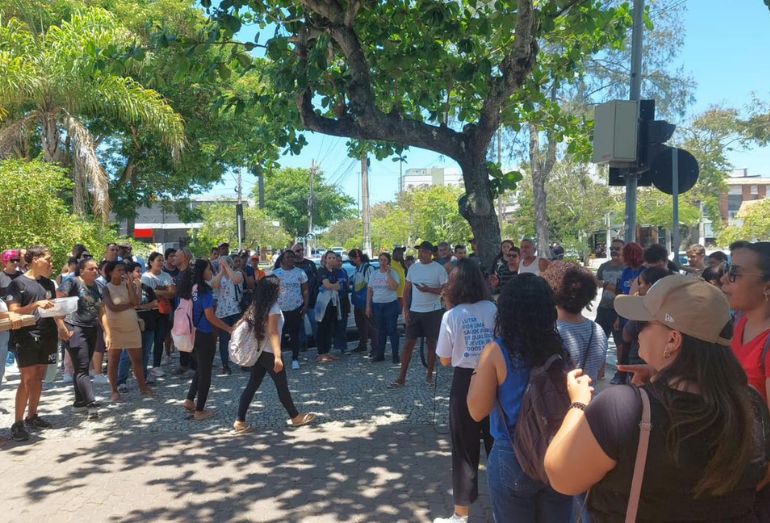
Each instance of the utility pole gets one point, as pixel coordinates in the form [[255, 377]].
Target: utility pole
[[261, 188], [635, 94], [310, 202], [239, 211], [365, 204]]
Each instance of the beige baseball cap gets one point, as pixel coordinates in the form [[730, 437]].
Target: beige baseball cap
[[683, 303]]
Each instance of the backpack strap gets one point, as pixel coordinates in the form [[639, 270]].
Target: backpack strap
[[645, 426], [588, 346]]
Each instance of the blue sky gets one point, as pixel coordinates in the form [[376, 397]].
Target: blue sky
[[726, 44]]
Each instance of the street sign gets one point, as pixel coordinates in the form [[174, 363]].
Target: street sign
[[661, 170]]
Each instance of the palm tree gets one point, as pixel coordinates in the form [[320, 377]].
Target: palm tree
[[57, 80]]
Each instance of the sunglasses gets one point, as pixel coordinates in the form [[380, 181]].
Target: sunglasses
[[733, 273]]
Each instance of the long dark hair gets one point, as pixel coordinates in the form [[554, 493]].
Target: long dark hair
[[186, 284], [526, 320], [265, 295], [724, 421], [466, 283]]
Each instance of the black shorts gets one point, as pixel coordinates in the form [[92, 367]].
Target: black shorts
[[425, 324], [31, 350]]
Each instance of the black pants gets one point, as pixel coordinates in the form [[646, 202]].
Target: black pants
[[465, 435], [292, 323], [203, 354], [161, 331], [367, 329], [326, 328], [263, 366], [81, 349]]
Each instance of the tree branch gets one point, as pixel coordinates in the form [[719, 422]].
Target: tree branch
[[514, 68]]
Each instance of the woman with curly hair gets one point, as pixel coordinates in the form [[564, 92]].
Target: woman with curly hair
[[574, 288], [526, 338], [265, 320]]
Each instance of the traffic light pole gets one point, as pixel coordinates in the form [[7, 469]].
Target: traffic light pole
[[675, 240], [635, 94]]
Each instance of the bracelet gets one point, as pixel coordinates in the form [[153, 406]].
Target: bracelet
[[578, 405]]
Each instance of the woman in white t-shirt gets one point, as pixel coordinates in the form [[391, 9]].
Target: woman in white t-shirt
[[265, 320], [466, 328], [382, 304], [227, 290]]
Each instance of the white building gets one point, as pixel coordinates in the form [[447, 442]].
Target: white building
[[430, 176]]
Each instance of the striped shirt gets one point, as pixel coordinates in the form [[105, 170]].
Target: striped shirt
[[575, 337]]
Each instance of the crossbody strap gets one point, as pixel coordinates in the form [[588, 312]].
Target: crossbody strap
[[645, 426], [588, 346]]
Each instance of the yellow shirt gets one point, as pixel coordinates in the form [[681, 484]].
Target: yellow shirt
[[396, 266]]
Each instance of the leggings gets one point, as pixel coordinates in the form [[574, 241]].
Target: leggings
[[161, 331], [203, 353], [465, 434], [264, 365], [291, 327], [224, 340]]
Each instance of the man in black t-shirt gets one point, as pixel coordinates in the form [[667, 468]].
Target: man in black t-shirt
[[35, 346], [10, 272], [312, 286]]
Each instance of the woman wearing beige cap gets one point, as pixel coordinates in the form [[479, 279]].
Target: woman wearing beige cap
[[693, 439]]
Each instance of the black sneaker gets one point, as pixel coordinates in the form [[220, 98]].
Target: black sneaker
[[36, 422], [18, 432], [79, 405], [93, 411]]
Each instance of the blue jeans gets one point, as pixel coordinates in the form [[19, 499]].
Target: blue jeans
[[517, 497], [224, 340], [341, 334], [148, 340], [386, 317]]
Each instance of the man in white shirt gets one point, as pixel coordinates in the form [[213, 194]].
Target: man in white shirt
[[422, 309]]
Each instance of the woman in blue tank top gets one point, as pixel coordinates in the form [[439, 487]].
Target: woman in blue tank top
[[526, 336]]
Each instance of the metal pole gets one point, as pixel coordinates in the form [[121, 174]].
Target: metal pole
[[310, 203], [239, 211], [675, 240], [500, 165], [365, 204], [635, 94]]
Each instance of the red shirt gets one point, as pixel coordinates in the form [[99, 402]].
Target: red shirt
[[749, 354]]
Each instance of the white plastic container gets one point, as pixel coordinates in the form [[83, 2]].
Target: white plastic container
[[62, 307]]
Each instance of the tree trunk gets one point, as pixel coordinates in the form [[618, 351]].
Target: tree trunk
[[541, 168], [479, 210], [50, 137], [130, 177]]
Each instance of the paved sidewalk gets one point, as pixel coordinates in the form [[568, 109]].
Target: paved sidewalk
[[374, 455]]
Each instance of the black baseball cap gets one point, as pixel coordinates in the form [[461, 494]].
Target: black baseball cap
[[425, 245]]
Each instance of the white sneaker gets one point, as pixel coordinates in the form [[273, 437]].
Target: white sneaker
[[101, 379], [454, 519], [157, 372], [295, 365]]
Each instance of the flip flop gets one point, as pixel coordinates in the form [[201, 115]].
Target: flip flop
[[188, 408], [396, 385], [204, 415]]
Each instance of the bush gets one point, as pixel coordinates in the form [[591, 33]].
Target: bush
[[34, 212]]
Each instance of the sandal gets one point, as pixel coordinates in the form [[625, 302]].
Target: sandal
[[200, 415], [241, 427], [397, 385], [188, 405], [116, 398], [302, 419]]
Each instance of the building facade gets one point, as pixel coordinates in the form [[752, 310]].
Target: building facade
[[741, 188], [430, 176]]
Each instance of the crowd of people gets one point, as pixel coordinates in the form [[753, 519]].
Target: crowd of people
[[683, 435]]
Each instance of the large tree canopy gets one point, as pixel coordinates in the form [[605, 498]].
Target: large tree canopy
[[429, 74], [287, 194]]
